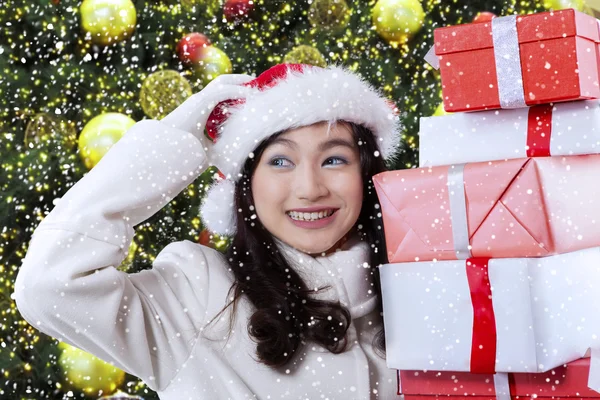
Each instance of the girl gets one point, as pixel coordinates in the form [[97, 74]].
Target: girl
[[293, 310]]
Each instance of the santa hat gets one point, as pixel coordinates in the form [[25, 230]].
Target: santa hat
[[288, 96]]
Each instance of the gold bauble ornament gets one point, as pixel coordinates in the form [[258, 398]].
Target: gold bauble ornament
[[162, 92], [592, 7], [99, 134], [108, 21], [439, 111], [579, 5], [88, 373], [121, 396], [43, 127], [127, 264], [329, 14], [305, 54], [398, 21], [211, 63]]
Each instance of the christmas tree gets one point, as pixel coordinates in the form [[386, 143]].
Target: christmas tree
[[75, 75]]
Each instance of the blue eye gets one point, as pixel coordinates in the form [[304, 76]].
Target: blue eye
[[341, 161], [279, 162]]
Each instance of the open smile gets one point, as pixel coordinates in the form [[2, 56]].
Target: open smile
[[314, 219]]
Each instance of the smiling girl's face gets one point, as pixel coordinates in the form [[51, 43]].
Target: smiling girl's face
[[307, 187]]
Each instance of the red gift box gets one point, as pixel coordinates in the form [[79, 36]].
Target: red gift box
[[556, 54], [567, 381]]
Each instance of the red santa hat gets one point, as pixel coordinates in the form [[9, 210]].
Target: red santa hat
[[288, 96]]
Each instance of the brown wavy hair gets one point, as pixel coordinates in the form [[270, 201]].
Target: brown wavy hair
[[285, 315]]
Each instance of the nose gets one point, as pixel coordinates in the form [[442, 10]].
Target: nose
[[309, 183]]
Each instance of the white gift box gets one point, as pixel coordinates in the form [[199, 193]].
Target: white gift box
[[546, 313], [570, 128]]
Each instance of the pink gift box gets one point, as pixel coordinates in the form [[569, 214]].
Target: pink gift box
[[527, 207]]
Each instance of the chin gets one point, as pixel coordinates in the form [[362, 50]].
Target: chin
[[316, 250], [315, 246]]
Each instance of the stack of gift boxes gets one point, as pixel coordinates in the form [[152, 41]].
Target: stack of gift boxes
[[493, 284]]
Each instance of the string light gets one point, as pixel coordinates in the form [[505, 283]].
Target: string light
[[53, 68]]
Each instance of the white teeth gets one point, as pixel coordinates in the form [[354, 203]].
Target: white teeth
[[298, 216]]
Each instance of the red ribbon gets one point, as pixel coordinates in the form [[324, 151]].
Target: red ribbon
[[483, 345], [539, 130]]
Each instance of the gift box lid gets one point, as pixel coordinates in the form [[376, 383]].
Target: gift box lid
[[530, 28], [569, 380]]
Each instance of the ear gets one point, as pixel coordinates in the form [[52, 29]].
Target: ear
[[218, 208]]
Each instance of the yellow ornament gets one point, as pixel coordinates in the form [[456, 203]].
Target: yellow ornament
[[88, 373], [398, 21], [305, 54], [440, 110], [108, 21], [127, 263], [211, 63], [162, 92], [329, 14], [43, 127], [121, 396], [579, 5], [99, 134]]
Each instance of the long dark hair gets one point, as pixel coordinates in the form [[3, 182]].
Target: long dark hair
[[286, 316]]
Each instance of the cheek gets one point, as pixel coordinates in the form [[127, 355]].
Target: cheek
[[350, 188], [267, 191]]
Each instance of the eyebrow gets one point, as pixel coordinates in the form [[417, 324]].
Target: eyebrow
[[335, 143], [322, 147]]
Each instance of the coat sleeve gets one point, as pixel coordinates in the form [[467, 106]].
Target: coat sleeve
[[68, 285]]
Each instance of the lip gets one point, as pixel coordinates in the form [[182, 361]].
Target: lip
[[313, 209], [318, 224]]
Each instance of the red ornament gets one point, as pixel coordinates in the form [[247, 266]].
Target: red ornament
[[235, 10], [190, 47], [204, 238], [484, 16]]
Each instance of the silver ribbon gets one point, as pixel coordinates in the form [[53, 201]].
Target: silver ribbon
[[508, 62], [501, 386], [458, 211], [594, 374], [432, 58]]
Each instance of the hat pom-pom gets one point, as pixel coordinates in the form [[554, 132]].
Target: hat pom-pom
[[218, 208]]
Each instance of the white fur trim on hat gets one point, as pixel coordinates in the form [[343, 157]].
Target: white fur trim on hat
[[301, 99], [218, 208]]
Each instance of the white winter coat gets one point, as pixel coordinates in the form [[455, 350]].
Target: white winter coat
[[151, 323]]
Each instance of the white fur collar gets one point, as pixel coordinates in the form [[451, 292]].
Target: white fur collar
[[348, 265]]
